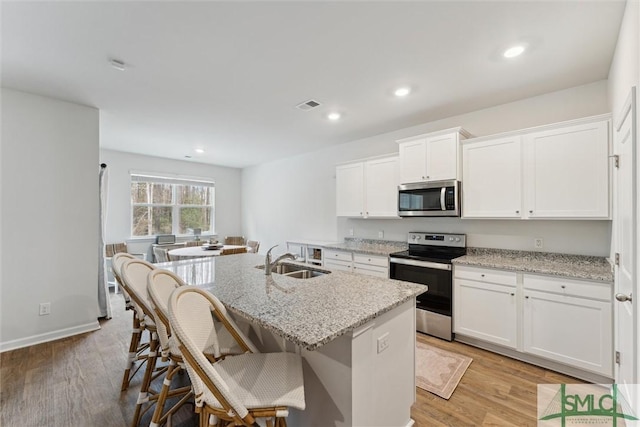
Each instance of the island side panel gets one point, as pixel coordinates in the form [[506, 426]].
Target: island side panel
[[347, 382]]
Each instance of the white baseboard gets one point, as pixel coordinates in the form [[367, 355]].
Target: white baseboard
[[49, 336]]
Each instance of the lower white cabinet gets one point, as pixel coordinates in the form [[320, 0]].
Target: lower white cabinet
[[568, 321], [338, 260], [371, 265], [560, 319], [487, 311]]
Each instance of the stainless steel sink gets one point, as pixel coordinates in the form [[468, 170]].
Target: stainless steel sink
[[296, 271], [305, 274]]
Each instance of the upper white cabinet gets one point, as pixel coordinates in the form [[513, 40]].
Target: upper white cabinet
[[368, 189], [559, 171], [492, 171], [431, 157], [568, 171]]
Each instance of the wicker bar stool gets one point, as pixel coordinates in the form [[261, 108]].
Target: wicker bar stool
[[134, 277], [137, 347], [160, 285], [237, 389]]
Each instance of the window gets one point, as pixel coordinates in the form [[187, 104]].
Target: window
[[165, 205]]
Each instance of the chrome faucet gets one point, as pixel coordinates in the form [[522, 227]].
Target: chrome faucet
[[268, 265]]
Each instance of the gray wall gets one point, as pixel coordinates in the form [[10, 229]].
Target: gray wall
[[49, 225]]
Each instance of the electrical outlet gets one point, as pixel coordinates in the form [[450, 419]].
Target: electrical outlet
[[383, 342], [351, 232], [45, 308], [538, 243], [380, 234]]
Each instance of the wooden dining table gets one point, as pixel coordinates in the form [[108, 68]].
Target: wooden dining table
[[197, 252]]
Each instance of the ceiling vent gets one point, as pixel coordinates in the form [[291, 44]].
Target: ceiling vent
[[308, 105]]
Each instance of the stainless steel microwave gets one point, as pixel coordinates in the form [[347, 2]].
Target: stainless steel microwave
[[436, 198]]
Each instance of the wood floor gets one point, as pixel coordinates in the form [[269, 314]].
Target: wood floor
[[76, 382]]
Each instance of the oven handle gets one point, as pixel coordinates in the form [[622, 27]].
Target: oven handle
[[443, 205], [426, 264]]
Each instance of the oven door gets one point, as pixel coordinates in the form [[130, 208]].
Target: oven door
[[429, 199], [437, 277]]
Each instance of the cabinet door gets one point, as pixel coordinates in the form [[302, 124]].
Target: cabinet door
[[381, 187], [574, 331], [338, 265], [491, 179], [442, 157], [486, 311], [413, 161], [568, 172], [350, 190]]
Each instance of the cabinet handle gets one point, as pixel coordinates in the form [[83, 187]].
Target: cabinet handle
[[526, 296], [512, 294], [427, 176], [530, 211], [482, 275], [423, 177], [562, 286], [518, 212]]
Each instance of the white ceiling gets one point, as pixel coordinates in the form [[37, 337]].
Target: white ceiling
[[226, 76]]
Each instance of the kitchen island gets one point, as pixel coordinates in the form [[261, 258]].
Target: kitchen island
[[356, 334]]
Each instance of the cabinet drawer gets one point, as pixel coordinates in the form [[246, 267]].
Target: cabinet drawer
[[486, 275], [371, 270], [338, 265], [371, 260], [565, 286], [339, 255]]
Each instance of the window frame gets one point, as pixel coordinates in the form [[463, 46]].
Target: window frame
[[174, 181]]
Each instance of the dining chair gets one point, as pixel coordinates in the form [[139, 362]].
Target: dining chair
[[253, 245], [234, 240], [231, 251], [134, 277], [160, 254], [160, 285], [112, 249], [137, 346], [238, 389], [194, 243]]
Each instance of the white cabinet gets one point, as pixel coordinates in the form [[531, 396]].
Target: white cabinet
[[554, 318], [492, 178], [569, 321], [371, 265], [308, 251], [338, 260], [350, 190], [485, 305], [368, 189], [431, 157], [559, 171], [567, 172]]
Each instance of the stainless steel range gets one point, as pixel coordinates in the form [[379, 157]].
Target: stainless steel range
[[428, 262]]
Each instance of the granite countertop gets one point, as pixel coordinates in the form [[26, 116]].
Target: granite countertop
[[573, 266], [307, 312], [369, 246]]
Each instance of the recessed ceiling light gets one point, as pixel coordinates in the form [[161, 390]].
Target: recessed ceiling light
[[513, 51], [199, 150], [402, 91], [333, 116]]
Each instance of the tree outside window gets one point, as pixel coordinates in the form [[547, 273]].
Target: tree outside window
[[165, 206]]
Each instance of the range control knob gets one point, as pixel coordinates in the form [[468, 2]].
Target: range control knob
[[451, 239], [457, 239], [418, 237]]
